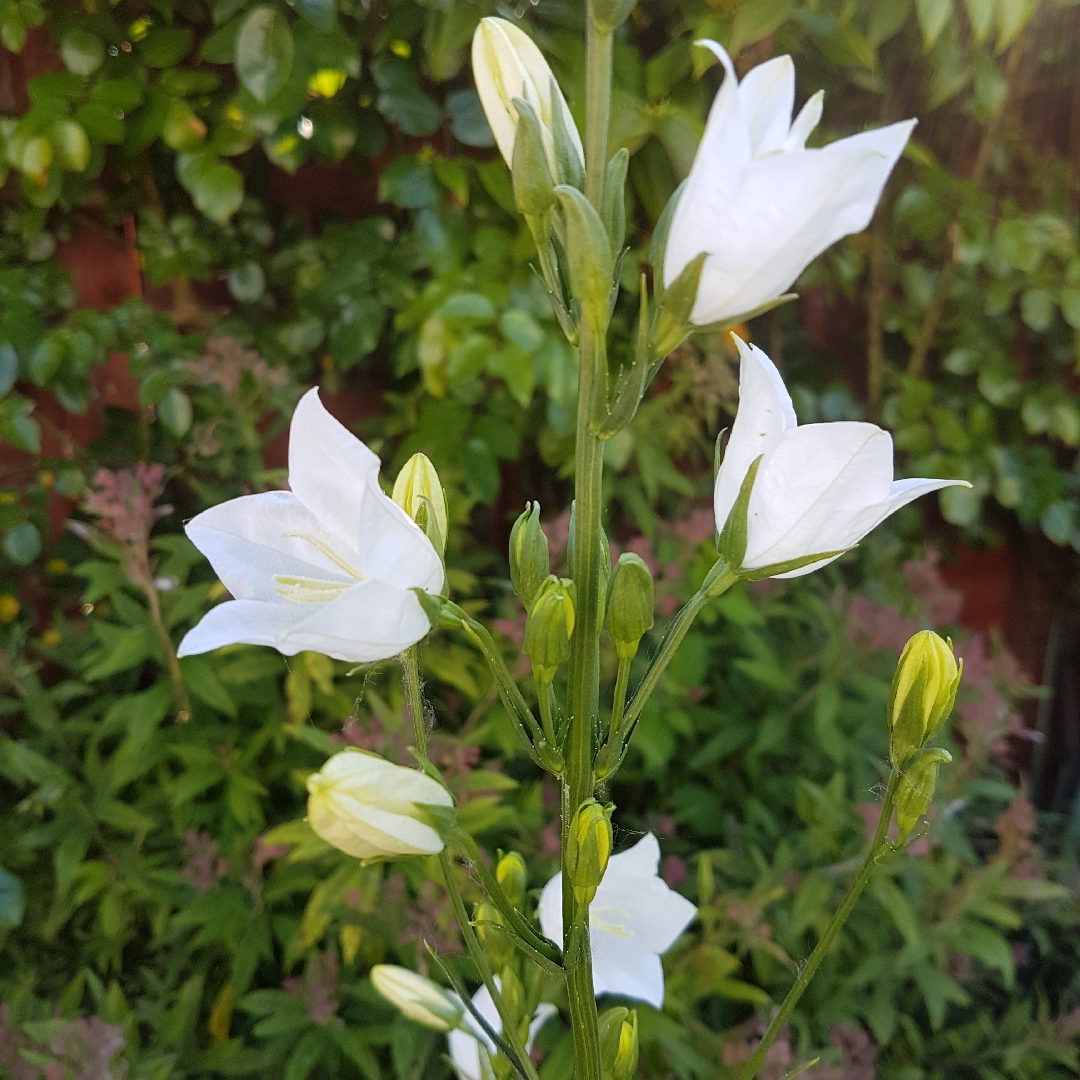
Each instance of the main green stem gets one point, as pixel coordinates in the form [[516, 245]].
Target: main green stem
[[749, 1070], [585, 571]]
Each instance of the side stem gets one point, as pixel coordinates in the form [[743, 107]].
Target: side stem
[[877, 848]]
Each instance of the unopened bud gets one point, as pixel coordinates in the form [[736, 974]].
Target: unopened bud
[[922, 694], [630, 602], [419, 492], [489, 929], [609, 15], [589, 261], [588, 848], [550, 626], [624, 1064], [513, 877], [528, 555], [915, 791], [418, 998], [534, 191]]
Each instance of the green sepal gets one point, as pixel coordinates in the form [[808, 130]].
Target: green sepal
[[762, 572], [672, 325], [534, 191], [718, 453], [658, 241], [432, 605], [633, 378], [588, 257], [731, 544], [614, 200], [569, 167], [915, 791]]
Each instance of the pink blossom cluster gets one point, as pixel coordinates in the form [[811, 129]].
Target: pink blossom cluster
[[123, 501]]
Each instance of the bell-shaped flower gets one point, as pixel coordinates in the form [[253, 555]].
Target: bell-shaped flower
[[507, 65], [758, 203], [328, 566], [634, 918], [466, 1041], [371, 808], [819, 488]]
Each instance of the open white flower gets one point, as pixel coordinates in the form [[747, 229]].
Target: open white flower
[[819, 487], [327, 566], [758, 202], [507, 65], [634, 918], [465, 1042]]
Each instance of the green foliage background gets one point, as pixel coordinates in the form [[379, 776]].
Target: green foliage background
[[162, 908]]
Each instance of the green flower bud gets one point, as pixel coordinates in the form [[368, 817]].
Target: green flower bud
[[418, 491], [922, 694], [609, 15], [915, 791], [550, 626], [624, 1064], [418, 998], [528, 555], [630, 602], [609, 1024], [489, 929], [534, 192], [513, 877], [590, 265], [588, 848]]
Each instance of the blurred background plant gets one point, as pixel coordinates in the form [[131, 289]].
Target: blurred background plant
[[210, 207]]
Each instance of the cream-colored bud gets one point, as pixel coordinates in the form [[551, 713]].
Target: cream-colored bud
[[419, 492], [507, 65], [418, 998], [370, 808]]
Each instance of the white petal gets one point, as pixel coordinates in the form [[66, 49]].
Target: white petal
[[633, 919], [767, 93], [819, 490], [787, 210], [251, 539], [765, 413], [393, 548], [808, 119], [378, 780], [371, 621], [329, 470], [464, 1045], [634, 907], [630, 973], [715, 179], [365, 831], [242, 622], [903, 492]]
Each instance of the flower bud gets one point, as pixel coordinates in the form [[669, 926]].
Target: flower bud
[[588, 848], [618, 1044], [550, 626], [534, 191], [418, 491], [418, 998], [589, 262], [528, 555], [489, 929], [630, 601], [915, 791], [609, 15], [922, 693], [370, 808], [507, 65], [513, 877]]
